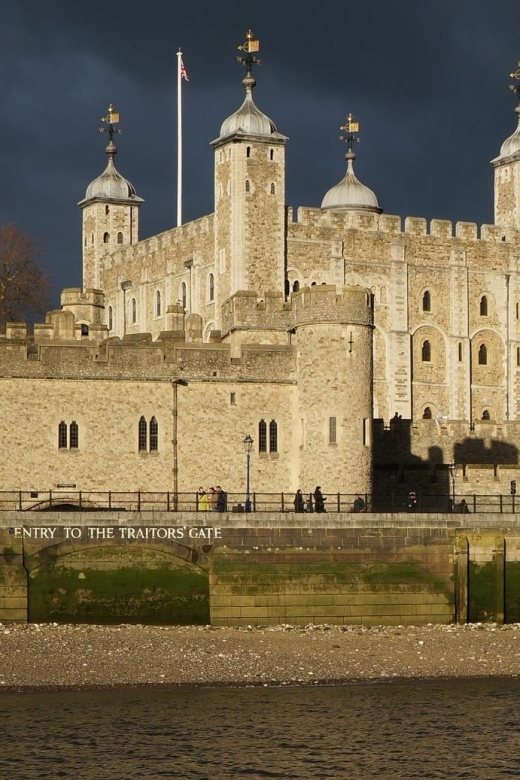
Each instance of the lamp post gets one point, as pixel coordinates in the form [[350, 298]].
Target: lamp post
[[175, 385], [125, 286], [453, 471], [248, 446]]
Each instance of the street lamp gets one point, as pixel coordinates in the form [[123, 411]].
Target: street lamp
[[453, 472], [175, 385], [125, 286], [248, 446]]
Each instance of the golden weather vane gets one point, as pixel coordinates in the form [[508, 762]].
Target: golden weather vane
[[250, 46], [349, 129], [111, 119]]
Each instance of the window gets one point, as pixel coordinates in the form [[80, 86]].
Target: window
[[248, 151], [427, 414], [426, 352], [107, 209], [517, 312], [119, 238], [296, 286], [271, 154], [233, 399], [211, 287], [482, 355], [486, 415], [106, 238], [518, 356], [273, 436], [483, 306], [68, 437], [154, 435], [134, 311], [248, 186], [332, 430], [110, 318], [142, 434], [183, 295], [262, 436], [426, 301], [460, 352], [157, 304], [84, 329], [273, 189]]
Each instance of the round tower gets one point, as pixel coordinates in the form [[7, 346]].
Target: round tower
[[334, 369], [110, 211], [507, 174]]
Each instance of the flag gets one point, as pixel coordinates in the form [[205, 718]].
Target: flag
[[184, 75]]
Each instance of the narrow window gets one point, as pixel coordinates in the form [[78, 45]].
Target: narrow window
[[92, 238], [183, 295], [248, 186], [271, 154], [426, 301], [154, 435], [426, 352], [134, 311], [482, 355], [157, 304], [427, 414], [119, 238], [517, 311], [62, 436], [518, 356], [273, 436], [211, 286], [106, 238], [233, 399], [84, 329], [142, 434], [107, 209], [486, 415], [110, 318], [85, 244], [366, 432], [460, 352], [74, 435], [248, 151], [287, 287], [332, 430], [273, 189], [483, 306], [262, 436], [296, 286]]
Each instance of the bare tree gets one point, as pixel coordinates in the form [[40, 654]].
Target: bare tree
[[24, 286]]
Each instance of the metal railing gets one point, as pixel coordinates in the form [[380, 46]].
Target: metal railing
[[168, 501]]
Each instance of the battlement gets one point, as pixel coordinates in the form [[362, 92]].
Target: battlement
[[323, 303], [409, 226]]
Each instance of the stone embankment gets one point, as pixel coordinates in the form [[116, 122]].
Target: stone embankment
[[55, 656]]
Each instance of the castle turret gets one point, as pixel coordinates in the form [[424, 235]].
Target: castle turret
[[507, 174], [249, 196], [334, 368], [110, 212]]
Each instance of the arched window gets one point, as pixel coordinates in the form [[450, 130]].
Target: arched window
[[211, 287], [107, 209], [183, 295], [62, 435], [134, 311], [119, 238], [426, 301], [271, 154], [74, 435], [248, 186], [296, 286], [262, 436], [154, 435], [426, 352], [427, 414], [248, 151], [382, 295], [273, 189], [483, 306], [110, 318], [482, 355], [142, 430], [273, 436], [106, 238], [158, 304], [486, 415], [84, 329]]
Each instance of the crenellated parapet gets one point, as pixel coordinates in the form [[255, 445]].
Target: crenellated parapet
[[324, 304]]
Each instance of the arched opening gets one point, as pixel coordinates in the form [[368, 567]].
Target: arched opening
[[483, 306], [106, 238], [486, 415], [426, 352], [426, 301], [482, 355], [119, 238], [296, 286], [427, 414]]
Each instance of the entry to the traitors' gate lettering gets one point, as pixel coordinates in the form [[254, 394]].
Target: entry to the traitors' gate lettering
[[113, 574]]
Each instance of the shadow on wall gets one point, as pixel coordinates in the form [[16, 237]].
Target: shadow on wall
[[475, 451]]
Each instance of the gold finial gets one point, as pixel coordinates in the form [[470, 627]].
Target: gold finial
[[111, 119], [349, 128], [516, 74], [251, 45]]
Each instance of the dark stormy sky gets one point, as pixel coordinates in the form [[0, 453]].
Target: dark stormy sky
[[428, 80]]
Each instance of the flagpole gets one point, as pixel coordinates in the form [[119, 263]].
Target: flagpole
[[179, 139]]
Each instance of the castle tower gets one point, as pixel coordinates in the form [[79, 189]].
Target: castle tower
[[110, 212], [507, 174], [334, 366], [350, 194], [249, 197]]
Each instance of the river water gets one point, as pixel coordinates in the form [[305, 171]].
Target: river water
[[447, 729]]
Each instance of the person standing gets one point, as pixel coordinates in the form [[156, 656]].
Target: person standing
[[319, 500], [221, 499], [298, 501], [202, 501]]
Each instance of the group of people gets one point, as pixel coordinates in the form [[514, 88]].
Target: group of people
[[314, 503], [214, 501]]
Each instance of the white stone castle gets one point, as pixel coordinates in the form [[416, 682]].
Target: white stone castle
[[358, 349]]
